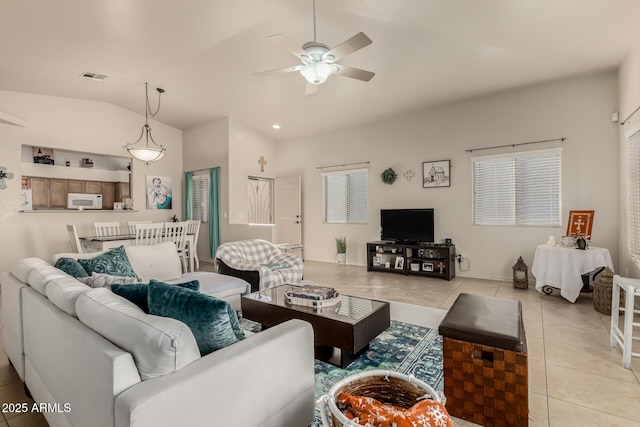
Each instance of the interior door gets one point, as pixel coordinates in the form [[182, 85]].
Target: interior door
[[288, 210]]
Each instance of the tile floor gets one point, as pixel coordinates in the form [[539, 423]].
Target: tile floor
[[575, 378]]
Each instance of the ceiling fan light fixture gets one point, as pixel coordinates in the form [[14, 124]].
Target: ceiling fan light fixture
[[317, 72]]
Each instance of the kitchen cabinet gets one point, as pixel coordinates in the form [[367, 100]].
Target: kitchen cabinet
[[93, 187], [40, 191], [58, 190], [76, 186], [108, 190]]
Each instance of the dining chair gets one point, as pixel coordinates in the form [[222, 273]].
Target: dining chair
[[107, 228], [73, 237], [193, 227], [176, 232], [624, 337], [132, 225], [148, 234]]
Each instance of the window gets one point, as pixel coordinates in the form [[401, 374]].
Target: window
[[517, 189], [260, 202], [634, 195], [200, 197], [346, 196]]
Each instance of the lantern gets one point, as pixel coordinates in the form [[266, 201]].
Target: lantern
[[520, 275]]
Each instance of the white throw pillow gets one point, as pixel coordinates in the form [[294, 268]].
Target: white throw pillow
[[100, 280], [159, 345], [160, 262]]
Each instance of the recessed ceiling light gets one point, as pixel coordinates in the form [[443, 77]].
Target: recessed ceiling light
[[276, 126]]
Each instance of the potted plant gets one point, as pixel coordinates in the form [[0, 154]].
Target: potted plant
[[341, 249]]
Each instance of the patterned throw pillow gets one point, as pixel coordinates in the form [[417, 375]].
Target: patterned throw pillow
[[99, 280], [114, 262], [72, 267], [138, 293], [213, 321], [370, 412]]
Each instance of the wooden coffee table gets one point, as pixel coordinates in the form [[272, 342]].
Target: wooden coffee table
[[341, 332]]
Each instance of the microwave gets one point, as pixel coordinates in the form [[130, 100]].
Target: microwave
[[82, 201]]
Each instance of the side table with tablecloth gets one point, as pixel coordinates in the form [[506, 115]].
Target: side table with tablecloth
[[562, 268]]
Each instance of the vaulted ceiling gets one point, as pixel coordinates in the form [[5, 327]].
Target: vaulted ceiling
[[204, 53]]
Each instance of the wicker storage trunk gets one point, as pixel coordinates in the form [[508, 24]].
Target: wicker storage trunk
[[485, 361]]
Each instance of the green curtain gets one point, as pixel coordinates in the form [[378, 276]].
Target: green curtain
[[188, 194], [214, 214]]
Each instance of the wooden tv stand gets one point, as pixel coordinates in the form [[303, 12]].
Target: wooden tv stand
[[422, 259]]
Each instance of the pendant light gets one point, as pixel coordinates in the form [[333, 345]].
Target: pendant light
[[145, 152]]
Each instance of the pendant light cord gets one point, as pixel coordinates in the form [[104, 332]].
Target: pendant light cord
[[160, 92]]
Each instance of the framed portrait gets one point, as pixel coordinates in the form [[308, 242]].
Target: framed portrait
[[436, 174], [159, 192], [580, 223], [427, 266], [399, 262]]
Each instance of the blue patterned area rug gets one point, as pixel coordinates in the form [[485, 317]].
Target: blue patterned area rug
[[403, 347]]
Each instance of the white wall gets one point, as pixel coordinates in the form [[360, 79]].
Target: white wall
[[629, 86], [246, 146], [79, 125], [577, 109]]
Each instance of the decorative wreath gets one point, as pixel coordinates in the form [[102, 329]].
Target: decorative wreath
[[4, 175], [389, 176]]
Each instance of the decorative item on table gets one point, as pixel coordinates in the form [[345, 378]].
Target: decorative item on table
[[341, 250], [128, 204], [580, 223], [448, 241], [436, 174], [551, 241], [520, 275], [569, 242], [312, 296], [399, 263], [581, 243], [118, 206], [389, 176], [405, 396], [427, 266], [377, 261]]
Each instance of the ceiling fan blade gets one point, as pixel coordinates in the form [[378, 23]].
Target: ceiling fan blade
[[287, 44], [311, 89], [347, 47], [279, 71], [354, 73]]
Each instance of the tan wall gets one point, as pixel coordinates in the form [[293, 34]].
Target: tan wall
[[87, 126], [577, 109]]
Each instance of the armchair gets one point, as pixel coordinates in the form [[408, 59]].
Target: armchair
[[258, 262]]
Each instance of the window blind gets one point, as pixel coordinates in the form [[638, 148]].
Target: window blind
[[346, 196], [517, 188], [634, 196], [200, 198]]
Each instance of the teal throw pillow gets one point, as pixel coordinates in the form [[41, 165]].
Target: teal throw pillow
[[114, 263], [72, 267], [213, 321], [138, 293]]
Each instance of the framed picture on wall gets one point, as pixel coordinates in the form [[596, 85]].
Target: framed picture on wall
[[436, 174], [159, 192]]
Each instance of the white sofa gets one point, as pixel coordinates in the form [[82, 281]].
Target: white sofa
[[55, 333]]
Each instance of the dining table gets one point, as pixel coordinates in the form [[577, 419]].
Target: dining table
[[104, 243], [562, 268]]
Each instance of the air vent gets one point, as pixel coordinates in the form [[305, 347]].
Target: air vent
[[93, 76]]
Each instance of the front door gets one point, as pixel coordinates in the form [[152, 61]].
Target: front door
[[288, 210]]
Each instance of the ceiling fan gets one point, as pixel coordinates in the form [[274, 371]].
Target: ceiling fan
[[319, 61]]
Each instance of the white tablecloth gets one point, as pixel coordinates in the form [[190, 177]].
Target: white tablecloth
[[561, 268]]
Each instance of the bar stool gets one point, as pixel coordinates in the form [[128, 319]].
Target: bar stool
[[624, 338]]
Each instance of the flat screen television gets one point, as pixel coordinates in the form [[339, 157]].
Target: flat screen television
[[407, 225]]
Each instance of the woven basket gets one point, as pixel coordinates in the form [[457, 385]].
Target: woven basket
[[385, 386]]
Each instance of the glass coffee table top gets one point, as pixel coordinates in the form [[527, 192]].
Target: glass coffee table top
[[349, 309]]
